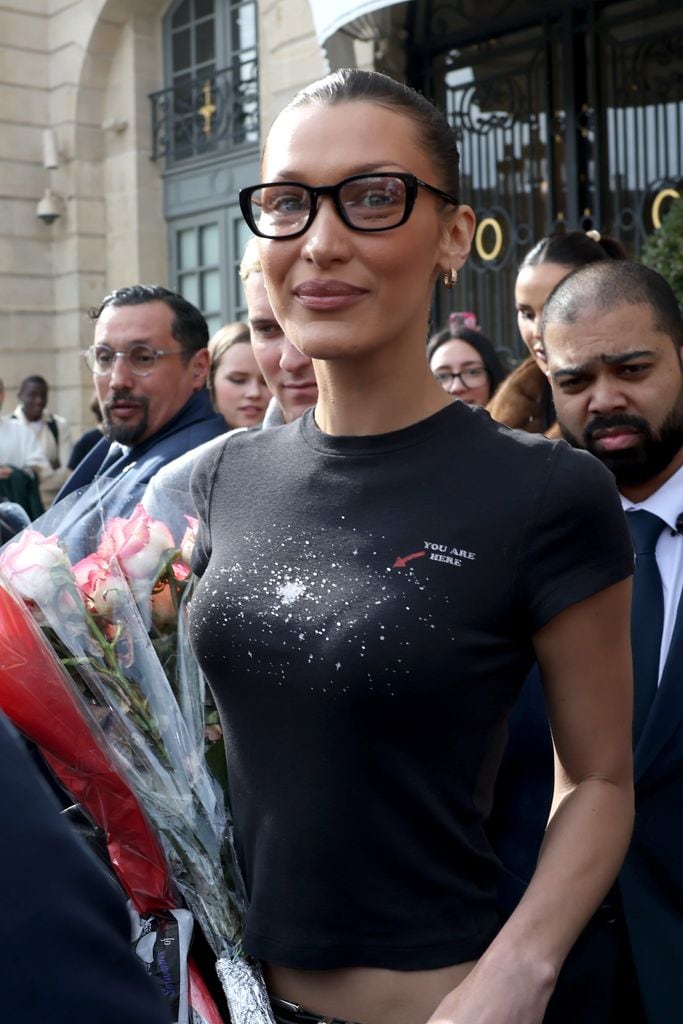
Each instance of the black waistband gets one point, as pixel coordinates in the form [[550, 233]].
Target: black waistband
[[291, 1013]]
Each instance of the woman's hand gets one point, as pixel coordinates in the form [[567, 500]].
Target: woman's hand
[[499, 991]]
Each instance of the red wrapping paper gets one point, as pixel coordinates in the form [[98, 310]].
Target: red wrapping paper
[[35, 694]]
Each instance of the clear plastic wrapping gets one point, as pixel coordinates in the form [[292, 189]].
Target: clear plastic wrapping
[[95, 667]]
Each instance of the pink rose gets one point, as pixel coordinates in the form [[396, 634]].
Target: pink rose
[[37, 566], [140, 544], [105, 591]]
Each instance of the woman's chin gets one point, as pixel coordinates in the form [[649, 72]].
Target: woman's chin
[[328, 342]]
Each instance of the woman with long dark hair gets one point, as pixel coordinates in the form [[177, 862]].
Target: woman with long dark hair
[[466, 364]]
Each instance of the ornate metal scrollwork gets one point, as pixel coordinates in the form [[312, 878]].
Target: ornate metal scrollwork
[[450, 15], [655, 71], [207, 113]]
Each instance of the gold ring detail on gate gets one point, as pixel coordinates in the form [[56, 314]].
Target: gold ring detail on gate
[[491, 254], [666, 193]]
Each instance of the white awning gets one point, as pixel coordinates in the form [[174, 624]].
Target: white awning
[[331, 15]]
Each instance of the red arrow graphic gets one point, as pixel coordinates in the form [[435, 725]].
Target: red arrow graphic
[[401, 563]]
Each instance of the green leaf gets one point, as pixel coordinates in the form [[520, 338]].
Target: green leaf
[[663, 250]]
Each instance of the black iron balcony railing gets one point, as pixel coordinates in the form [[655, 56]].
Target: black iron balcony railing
[[210, 113]]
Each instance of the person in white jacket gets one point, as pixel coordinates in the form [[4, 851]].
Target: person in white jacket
[[23, 464], [53, 433]]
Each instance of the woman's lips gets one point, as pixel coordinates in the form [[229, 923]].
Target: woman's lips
[[328, 295]]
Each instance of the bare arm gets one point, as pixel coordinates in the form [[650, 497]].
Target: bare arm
[[585, 658]]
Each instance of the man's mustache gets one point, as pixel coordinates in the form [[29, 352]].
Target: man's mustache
[[610, 422], [126, 396]]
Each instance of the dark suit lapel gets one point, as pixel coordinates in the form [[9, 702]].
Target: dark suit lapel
[[666, 713]]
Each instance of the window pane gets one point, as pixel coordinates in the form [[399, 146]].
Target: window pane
[[204, 41], [182, 15], [214, 322], [208, 245], [188, 286], [187, 249], [241, 235], [211, 290], [181, 49], [203, 8], [244, 27]]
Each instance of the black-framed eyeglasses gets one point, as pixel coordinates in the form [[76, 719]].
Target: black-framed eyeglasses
[[142, 359], [365, 202], [472, 377]]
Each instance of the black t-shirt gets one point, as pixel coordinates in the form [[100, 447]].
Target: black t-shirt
[[364, 619]]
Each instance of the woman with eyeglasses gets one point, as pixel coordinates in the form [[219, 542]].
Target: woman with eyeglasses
[[465, 364], [376, 580]]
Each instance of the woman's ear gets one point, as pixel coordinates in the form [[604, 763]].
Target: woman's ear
[[456, 238]]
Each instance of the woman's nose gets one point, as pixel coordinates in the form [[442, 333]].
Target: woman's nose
[[253, 387], [327, 239], [456, 384]]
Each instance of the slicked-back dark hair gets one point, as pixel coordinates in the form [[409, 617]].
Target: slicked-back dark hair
[[605, 286], [573, 249], [434, 133], [188, 325]]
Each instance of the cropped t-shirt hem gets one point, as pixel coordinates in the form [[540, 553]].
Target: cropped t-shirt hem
[[353, 954]]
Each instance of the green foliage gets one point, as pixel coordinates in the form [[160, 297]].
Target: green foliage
[[663, 250]]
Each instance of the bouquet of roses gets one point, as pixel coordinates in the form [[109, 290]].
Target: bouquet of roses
[[95, 668]]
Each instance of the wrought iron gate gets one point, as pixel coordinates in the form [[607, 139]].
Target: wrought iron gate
[[567, 114]]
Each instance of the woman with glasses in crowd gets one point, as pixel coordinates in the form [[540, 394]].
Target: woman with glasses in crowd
[[466, 364], [376, 580]]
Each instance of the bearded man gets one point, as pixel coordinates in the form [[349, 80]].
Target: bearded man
[[613, 333]]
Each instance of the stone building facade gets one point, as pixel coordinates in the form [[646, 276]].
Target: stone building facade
[[137, 121], [76, 80]]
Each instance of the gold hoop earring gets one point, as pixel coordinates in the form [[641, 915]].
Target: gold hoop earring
[[450, 277]]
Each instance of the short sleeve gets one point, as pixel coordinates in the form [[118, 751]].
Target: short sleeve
[[577, 541]]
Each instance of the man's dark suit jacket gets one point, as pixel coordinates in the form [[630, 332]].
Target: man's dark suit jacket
[[64, 929], [90, 500], [649, 888]]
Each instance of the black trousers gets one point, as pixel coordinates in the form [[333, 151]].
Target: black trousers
[[597, 984]]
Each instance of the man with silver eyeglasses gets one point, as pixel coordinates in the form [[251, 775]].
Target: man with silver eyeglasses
[[150, 361]]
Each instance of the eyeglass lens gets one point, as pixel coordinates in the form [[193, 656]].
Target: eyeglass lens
[[140, 358], [469, 378], [369, 203]]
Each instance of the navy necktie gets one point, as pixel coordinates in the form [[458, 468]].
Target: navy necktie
[[647, 615]]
